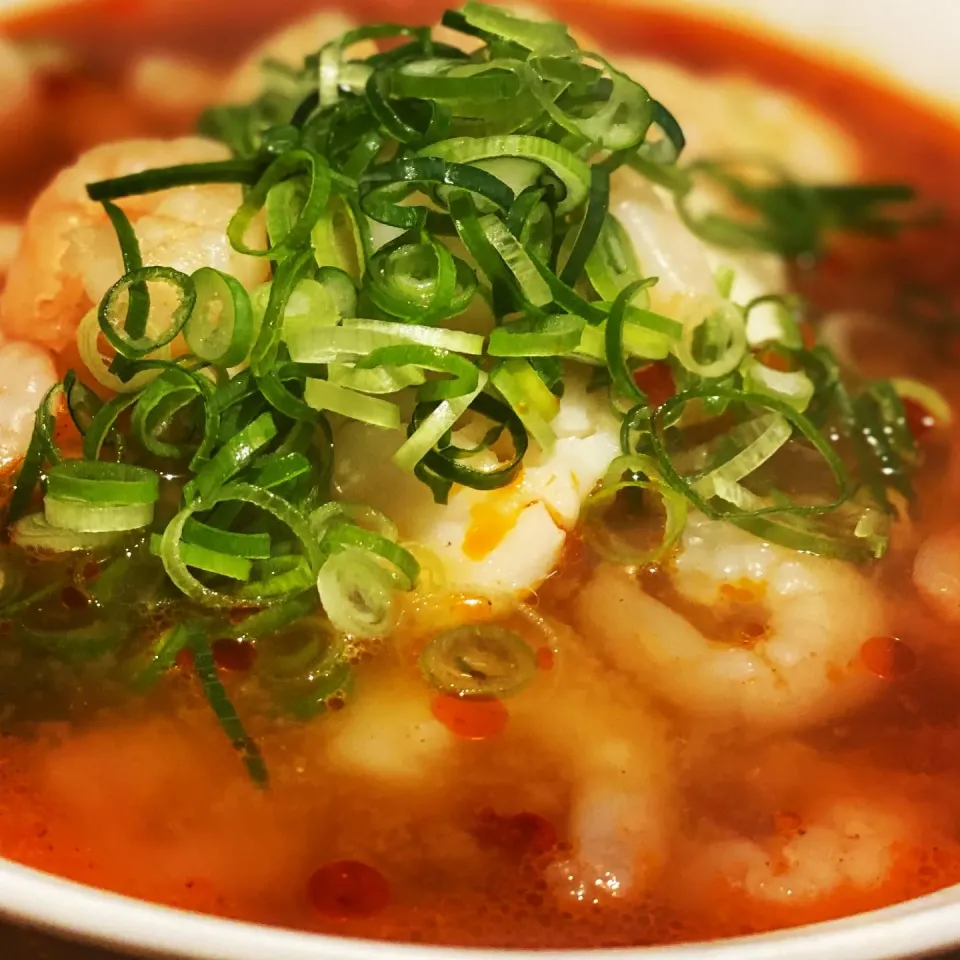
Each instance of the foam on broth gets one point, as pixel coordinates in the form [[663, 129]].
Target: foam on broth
[[146, 798]]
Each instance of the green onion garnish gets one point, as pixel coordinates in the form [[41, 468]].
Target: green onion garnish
[[442, 251]]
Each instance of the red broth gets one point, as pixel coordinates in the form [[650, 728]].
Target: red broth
[[147, 799]]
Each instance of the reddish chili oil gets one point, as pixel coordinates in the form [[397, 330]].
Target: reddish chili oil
[[907, 742]]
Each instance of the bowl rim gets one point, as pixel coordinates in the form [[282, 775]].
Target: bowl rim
[[79, 912], [52, 904]]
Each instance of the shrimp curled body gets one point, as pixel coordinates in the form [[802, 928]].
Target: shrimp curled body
[[802, 669], [69, 255], [27, 372]]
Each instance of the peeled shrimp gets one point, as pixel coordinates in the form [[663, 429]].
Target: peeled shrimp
[[796, 827], [27, 372], [499, 541], [290, 46], [936, 573], [389, 735], [69, 255], [610, 746], [800, 668], [846, 843], [620, 822]]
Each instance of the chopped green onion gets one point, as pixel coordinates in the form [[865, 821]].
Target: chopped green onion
[[33, 532], [103, 483], [607, 539], [323, 395], [149, 666], [267, 622], [761, 439], [357, 338], [793, 386], [358, 593], [318, 193], [251, 545], [88, 346], [41, 448], [510, 381], [82, 403], [231, 458], [714, 343], [209, 561], [188, 174], [305, 665], [426, 435], [132, 344], [220, 326], [533, 287], [257, 593], [478, 660], [568, 168], [672, 409], [224, 711], [612, 263], [81, 516], [554, 336]]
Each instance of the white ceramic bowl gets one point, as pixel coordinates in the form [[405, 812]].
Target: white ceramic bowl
[[913, 41]]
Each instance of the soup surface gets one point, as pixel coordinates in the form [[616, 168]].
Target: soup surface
[[647, 784]]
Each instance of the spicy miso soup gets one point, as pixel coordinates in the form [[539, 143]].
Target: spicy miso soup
[[481, 476]]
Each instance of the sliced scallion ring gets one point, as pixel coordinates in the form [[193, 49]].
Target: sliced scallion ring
[[478, 660], [714, 340], [326, 396], [83, 517], [220, 326], [113, 322], [255, 593], [568, 168], [358, 593], [761, 438], [419, 443], [33, 532], [357, 338], [103, 483], [209, 561], [793, 386], [511, 380], [254, 546]]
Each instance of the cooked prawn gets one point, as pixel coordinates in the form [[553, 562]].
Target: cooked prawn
[[69, 255], [612, 750], [798, 666], [27, 372], [845, 843], [798, 828], [389, 735], [620, 823], [936, 573]]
